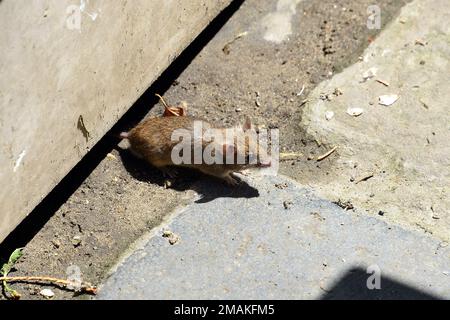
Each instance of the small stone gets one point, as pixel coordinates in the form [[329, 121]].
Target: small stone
[[76, 241], [443, 244], [56, 243], [346, 205], [173, 239], [167, 233], [381, 213], [287, 204], [355, 112], [388, 99], [47, 293], [281, 185], [337, 92], [111, 156]]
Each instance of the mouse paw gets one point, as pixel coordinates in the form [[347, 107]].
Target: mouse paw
[[167, 184], [170, 173]]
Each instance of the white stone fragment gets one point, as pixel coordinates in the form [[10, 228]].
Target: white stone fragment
[[355, 111], [47, 293], [388, 99]]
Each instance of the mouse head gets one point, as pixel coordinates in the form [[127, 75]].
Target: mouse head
[[246, 147]]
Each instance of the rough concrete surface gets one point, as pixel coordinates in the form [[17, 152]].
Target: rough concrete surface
[[251, 247], [406, 145], [64, 84], [255, 74]]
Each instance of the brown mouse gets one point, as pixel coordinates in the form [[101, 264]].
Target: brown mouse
[[163, 141]]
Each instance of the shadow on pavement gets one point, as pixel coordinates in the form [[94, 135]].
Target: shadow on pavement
[[209, 188], [353, 286]]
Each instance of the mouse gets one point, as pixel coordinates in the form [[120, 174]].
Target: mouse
[[158, 141]]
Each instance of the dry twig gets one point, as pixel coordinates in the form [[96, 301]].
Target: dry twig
[[85, 287], [320, 158], [367, 177], [382, 82]]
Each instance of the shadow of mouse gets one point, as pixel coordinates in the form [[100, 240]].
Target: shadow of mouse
[[208, 187]]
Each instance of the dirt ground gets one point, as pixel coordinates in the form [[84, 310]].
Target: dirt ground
[[400, 150], [123, 198]]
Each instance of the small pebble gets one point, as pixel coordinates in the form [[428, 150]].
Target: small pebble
[[56, 243], [355, 112], [387, 99], [76, 241], [47, 293], [173, 239], [287, 204], [167, 233], [443, 244]]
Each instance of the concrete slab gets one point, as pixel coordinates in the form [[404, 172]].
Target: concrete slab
[[406, 145], [69, 72], [281, 242]]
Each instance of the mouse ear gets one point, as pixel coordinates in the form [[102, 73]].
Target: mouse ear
[[247, 124]]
